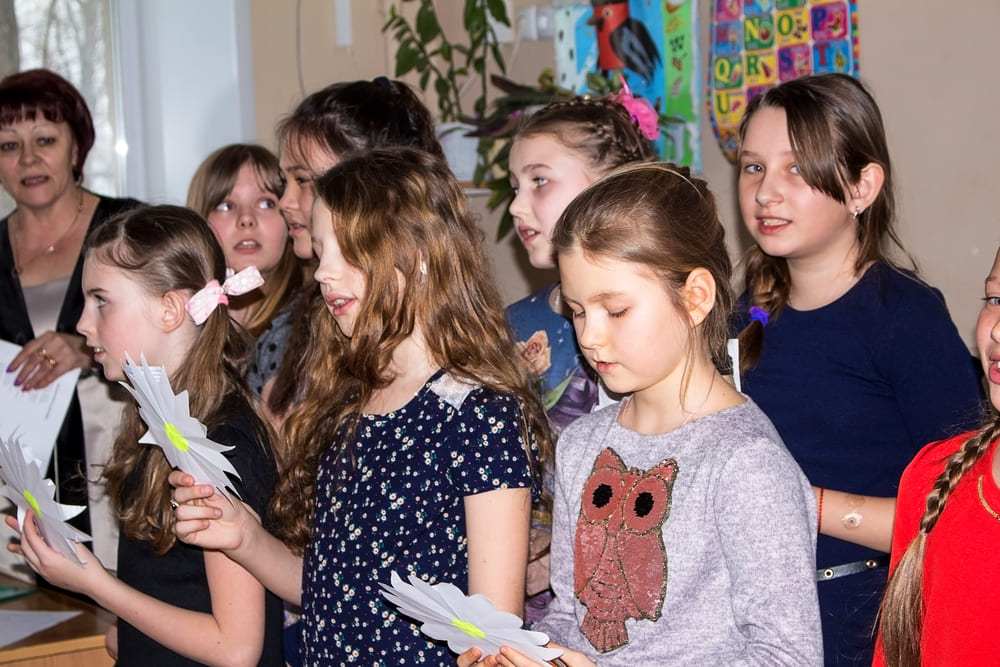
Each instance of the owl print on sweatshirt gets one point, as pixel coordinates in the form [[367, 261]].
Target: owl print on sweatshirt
[[620, 561]]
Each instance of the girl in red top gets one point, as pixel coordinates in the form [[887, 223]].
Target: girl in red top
[[941, 605]]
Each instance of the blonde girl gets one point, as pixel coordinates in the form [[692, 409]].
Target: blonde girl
[[557, 152], [673, 507], [417, 435], [176, 604]]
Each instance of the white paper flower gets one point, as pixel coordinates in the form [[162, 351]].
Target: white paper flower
[[464, 621], [24, 485], [182, 438]]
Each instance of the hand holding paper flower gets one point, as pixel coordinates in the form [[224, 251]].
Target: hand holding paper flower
[[447, 614], [24, 486], [182, 438]]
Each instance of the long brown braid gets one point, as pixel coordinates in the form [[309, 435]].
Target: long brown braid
[[903, 605]]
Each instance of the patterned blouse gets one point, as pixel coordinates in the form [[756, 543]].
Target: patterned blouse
[[399, 506]]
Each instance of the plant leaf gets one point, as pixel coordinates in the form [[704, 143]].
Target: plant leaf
[[498, 10], [506, 225], [427, 24], [406, 60]]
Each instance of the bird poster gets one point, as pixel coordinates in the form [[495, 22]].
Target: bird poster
[[757, 44], [653, 44]]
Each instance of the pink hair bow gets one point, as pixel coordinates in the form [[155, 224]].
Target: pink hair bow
[[201, 305], [641, 110]]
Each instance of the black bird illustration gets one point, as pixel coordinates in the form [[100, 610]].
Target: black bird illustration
[[622, 41]]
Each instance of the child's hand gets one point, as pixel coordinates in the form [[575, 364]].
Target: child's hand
[[208, 520], [111, 641], [56, 568], [472, 656], [510, 658]]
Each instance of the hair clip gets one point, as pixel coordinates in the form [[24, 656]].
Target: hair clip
[[641, 111], [759, 314], [201, 305]]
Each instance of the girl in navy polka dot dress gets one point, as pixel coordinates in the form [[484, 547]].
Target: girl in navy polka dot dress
[[420, 432]]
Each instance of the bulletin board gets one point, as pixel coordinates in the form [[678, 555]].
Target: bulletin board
[[654, 43], [756, 44]]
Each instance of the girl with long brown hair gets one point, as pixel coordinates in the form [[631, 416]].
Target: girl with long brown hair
[[237, 189], [827, 326], [418, 433], [176, 605]]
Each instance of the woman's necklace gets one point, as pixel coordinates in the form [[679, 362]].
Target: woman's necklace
[[982, 500], [19, 266]]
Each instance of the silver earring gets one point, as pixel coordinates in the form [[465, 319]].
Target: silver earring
[[856, 213]]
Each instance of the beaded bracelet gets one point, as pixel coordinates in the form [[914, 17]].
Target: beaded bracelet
[[819, 512]]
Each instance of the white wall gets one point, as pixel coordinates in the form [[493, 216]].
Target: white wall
[[186, 82]]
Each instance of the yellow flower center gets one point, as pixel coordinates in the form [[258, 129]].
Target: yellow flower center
[[34, 503], [175, 437], [468, 628]]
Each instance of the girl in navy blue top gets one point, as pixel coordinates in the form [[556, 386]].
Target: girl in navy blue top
[[855, 360]]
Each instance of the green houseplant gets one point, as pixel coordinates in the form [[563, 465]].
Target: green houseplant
[[449, 66]]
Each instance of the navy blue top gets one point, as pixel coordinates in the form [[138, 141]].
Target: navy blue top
[[856, 388], [401, 508], [178, 576]]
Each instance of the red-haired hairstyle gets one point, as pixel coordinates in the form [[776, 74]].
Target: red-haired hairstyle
[[25, 95]]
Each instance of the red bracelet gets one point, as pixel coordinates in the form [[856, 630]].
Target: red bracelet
[[819, 512]]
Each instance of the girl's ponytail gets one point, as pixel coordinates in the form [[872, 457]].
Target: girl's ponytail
[[768, 284]]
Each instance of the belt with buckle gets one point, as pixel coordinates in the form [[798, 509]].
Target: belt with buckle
[[827, 573]]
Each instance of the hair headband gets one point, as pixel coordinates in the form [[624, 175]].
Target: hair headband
[[201, 305]]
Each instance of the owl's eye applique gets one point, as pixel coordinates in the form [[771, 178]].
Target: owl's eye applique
[[646, 504], [600, 494]]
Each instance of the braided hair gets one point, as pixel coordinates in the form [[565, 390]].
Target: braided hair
[[903, 604], [601, 130]]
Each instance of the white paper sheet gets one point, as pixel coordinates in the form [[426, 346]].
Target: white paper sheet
[[16, 625], [36, 415]]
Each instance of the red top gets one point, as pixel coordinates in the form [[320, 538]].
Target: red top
[[961, 564]]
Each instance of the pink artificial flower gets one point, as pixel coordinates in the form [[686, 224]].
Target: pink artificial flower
[[642, 112]]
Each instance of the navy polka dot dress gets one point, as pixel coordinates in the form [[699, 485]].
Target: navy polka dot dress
[[401, 508]]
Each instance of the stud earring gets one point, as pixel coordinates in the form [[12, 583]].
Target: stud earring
[[856, 213]]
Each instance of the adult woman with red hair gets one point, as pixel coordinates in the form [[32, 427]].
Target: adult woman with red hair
[[46, 131]]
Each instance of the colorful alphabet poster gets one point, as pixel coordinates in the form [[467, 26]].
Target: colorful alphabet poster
[[654, 43], [756, 44]]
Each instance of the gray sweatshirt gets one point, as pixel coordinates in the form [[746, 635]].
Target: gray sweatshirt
[[693, 547]]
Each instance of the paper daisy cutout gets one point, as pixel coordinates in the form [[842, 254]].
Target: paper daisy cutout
[[24, 485], [182, 438], [464, 621]]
